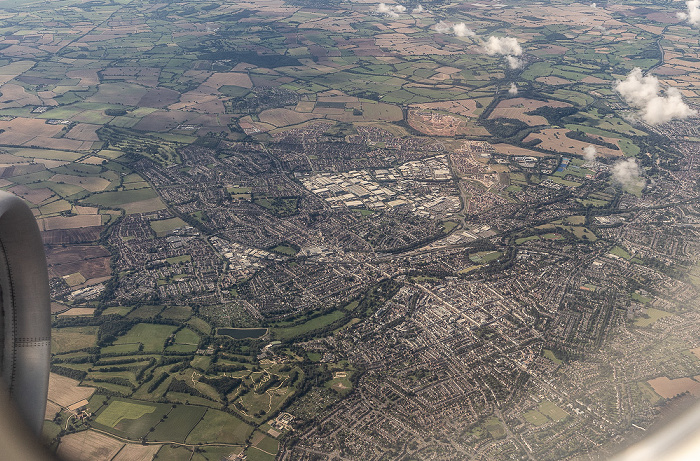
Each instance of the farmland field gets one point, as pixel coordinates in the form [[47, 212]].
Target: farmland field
[[88, 446], [119, 410], [72, 339], [151, 336], [178, 424], [302, 209], [217, 426]]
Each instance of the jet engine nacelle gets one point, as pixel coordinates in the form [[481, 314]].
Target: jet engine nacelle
[[25, 311]]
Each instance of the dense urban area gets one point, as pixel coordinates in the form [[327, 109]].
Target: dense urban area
[[325, 230]]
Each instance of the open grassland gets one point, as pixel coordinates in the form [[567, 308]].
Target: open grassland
[[151, 336], [177, 312], [218, 426], [199, 325], [178, 424], [652, 315], [72, 339], [552, 411], [165, 226], [284, 333], [535, 418], [145, 312], [120, 409], [130, 418]]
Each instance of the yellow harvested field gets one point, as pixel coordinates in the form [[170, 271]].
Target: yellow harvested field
[[507, 149], [144, 206], [87, 76], [92, 160], [65, 391], [134, 452], [88, 446], [305, 106], [669, 388], [517, 108], [85, 209], [84, 132], [74, 279], [466, 107], [51, 410], [89, 183], [448, 70], [22, 129], [16, 96], [592, 79], [553, 80], [77, 311], [70, 222], [554, 139], [220, 79], [284, 117]]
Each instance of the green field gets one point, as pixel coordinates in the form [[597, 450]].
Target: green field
[[648, 392], [535, 418], [641, 299], [550, 355], [117, 310], [199, 325], [178, 424], [286, 333], [145, 312], [151, 336], [120, 349], [177, 453], [218, 426], [177, 312], [165, 226], [72, 339], [186, 336], [494, 427], [652, 316], [621, 252], [285, 250], [255, 454], [120, 410], [179, 259], [522, 240], [484, 257], [552, 411]]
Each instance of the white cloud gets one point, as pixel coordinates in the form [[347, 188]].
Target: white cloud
[[442, 27], [461, 30], [589, 153], [418, 9], [513, 91], [514, 63], [693, 14], [627, 173], [643, 92], [502, 45], [392, 12], [594, 6]]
